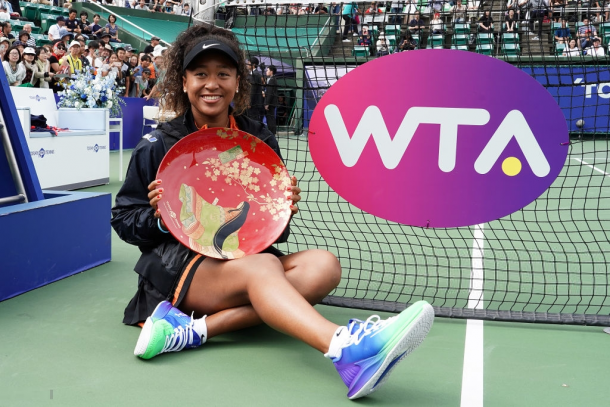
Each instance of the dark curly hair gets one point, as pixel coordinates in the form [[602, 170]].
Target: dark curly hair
[[172, 86]]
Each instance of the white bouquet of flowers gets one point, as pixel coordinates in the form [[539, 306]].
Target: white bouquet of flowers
[[85, 90]]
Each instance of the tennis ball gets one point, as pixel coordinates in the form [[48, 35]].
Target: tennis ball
[[580, 123]]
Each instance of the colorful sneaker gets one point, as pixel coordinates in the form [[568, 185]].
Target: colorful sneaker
[[372, 348], [167, 330]]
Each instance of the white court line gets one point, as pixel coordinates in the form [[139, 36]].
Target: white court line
[[601, 157], [472, 374], [591, 166]]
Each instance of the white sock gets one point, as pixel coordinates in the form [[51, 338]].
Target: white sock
[[336, 343], [201, 328]]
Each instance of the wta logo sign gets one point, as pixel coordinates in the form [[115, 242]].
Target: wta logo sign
[[438, 138]]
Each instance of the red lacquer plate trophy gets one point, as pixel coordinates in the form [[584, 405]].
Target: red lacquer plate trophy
[[226, 194]]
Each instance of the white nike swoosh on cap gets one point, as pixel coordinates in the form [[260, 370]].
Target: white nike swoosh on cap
[[207, 46]]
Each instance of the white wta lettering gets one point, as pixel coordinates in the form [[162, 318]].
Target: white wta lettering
[[392, 150]]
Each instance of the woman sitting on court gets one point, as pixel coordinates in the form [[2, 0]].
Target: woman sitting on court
[[185, 298]]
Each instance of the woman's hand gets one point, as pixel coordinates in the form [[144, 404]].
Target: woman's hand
[[295, 197], [155, 195]]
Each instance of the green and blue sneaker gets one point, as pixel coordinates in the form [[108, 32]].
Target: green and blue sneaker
[[167, 330], [369, 350]]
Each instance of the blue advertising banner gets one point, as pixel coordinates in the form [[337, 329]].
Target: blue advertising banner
[[582, 92], [132, 123]]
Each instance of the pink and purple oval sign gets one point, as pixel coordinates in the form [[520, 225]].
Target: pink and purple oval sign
[[438, 138]]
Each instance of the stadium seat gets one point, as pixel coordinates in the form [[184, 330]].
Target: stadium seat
[[44, 40], [460, 39], [485, 49], [485, 38], [58, 11], [460, 47], [461, 28], [511, 49], [436, 40], [360, 51], [604, 28], [436, 46], [41, 9], [17, 25], [510, 38], [559, 47], [30, 11], [391, 40], [46, 21], [392, 30]]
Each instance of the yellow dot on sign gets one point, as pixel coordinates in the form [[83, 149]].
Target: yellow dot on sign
[[511, 166]]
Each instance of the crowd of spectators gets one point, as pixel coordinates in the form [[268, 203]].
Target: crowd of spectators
[[78, 45], [177, 7], [529, 17]]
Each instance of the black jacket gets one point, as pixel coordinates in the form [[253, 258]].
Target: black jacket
[[271, 92], [256, 89], [163, 257]]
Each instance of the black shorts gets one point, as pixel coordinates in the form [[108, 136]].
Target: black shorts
[[148, 296]]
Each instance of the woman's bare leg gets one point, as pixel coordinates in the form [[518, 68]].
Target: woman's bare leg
[[262, 288]]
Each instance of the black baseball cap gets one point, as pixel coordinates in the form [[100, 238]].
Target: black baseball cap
[[209, 45]]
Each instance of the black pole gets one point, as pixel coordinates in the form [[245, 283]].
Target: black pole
[[190, 17]]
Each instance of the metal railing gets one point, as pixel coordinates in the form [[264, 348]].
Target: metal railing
[[14, 168]]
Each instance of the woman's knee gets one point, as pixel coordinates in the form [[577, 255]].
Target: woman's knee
[[322, 271], [329, 265], [263, 264]]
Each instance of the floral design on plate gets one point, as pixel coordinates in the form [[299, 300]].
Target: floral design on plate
[[226, 193]]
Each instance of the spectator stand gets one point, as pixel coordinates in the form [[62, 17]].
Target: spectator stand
[[137, 27]]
